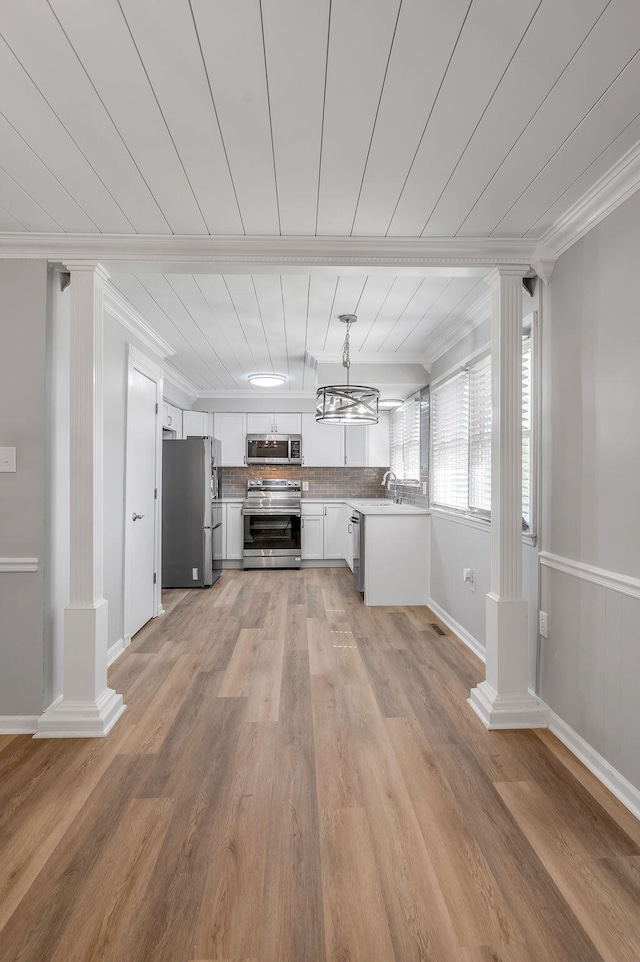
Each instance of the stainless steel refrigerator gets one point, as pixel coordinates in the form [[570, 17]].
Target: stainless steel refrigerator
[[191, 513]]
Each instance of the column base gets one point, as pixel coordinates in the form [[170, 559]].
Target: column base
[[513, 710], [81, 719]]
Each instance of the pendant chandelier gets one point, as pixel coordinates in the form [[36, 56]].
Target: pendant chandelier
[[347, 403]]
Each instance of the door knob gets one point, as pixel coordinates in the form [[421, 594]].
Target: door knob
[[136, 517]]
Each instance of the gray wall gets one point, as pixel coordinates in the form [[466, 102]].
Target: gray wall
[[590, 665], [23, 304]]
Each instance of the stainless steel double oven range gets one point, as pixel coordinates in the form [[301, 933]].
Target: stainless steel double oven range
[[271, 516]]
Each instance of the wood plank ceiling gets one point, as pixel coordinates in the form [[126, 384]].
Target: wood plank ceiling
[[363, 118]]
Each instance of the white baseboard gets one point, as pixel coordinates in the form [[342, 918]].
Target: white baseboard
[[472, 643], [617, 784], [18, 724], [116, 650]]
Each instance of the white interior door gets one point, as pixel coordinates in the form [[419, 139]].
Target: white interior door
[[141, 502]]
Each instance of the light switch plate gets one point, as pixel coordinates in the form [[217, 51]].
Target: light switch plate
[[7, 459]]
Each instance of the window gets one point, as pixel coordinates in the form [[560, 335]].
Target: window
[[404, 441], [461, 439]]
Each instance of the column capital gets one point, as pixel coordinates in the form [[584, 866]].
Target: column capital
[[89, 266], [506, 270]]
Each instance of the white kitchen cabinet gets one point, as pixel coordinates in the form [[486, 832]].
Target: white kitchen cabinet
[[234, 535], [334, 531], [312, 530], [355, 446], [322, 444], [283, 423], [172, 419], [197, 424], [312, 537], [231, 431], [378, 442], [335, 446], [396, 556]]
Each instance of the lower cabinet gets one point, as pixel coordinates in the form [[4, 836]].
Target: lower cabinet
[[333, 530], [312, 537], [233, 536]]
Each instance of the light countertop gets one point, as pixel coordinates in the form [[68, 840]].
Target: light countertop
[[383, 506]]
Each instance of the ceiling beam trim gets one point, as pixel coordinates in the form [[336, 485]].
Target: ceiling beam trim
[[228, 254]]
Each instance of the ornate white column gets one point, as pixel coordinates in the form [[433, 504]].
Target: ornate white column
[[503, 700], [87, 708]]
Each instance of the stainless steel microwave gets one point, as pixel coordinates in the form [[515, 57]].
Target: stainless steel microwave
[[274, 449]]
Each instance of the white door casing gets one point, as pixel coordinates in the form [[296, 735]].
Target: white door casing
[[142, 535]]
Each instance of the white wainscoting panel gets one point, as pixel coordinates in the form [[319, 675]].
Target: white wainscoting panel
[[590, 663]]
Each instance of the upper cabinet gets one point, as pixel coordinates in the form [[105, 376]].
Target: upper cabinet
[[355, 446], [171, 420], [197, 424], [334, 446], [231, 431], [322, 444], [274, 424], [378, 442]]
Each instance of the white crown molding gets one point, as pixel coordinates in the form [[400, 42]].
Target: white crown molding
[[124, 312], [18, 565], [358, 358], [611, 190], [181, 382], [617, 784], [598, 576], [255, 395], [208, 254], [439, 343]]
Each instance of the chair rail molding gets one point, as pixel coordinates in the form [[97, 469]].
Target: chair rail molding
[[599, 576], [18, 565]]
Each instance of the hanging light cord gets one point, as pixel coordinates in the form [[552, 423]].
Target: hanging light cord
[[345, 351]]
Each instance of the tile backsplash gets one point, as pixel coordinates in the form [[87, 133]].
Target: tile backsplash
[[323, 482]]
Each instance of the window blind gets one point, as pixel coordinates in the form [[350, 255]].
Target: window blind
[[404, 441], [461, 438], [450, 442]]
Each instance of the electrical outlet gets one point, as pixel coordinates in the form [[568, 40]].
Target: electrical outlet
[[305, 485], [7, 459], [424, 488], [543, 624], [194, 574]]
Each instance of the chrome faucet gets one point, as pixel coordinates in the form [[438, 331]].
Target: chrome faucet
[[392, 476]]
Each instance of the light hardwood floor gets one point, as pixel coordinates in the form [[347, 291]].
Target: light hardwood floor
[[298, 778]]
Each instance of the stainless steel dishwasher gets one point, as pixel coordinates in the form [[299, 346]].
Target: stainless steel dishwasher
[[357, 522]]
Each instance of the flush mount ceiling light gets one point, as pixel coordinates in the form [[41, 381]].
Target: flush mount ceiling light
[[389, 403], [347, 403], [267, 380]]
